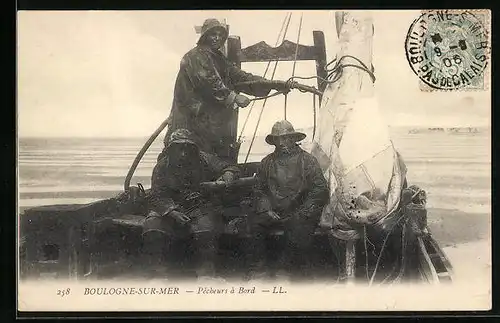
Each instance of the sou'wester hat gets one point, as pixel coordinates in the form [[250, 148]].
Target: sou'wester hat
[[211, 24], [284, 128]]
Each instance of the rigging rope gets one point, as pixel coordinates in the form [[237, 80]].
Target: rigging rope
[[404, 246], [334, 74], [383, 248], [366, 251], [295, 58], [314, 115], [284, 107], [265, 100], [297, 46], [288, 16]]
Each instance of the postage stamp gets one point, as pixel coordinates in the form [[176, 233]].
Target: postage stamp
[[187, 161], [449, 49]]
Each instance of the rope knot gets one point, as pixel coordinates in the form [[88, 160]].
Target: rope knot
[[289, 85], [335, 73]]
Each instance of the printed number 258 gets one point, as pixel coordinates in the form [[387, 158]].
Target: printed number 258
[[63, 292]]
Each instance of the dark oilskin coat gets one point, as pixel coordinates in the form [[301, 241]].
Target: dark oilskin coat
[[204, 84], [171, 184], [306, 190], [293, 186]]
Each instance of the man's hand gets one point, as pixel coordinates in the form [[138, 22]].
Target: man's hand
[[227, 177], [192, 196], [273, 215], [241, 101], [285, 87], [179, 217]]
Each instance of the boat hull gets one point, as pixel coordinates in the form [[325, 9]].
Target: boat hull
[[94, 244]]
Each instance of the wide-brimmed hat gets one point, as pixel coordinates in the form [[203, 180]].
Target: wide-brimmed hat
[[284, 128], [181, 136], [211, 24]]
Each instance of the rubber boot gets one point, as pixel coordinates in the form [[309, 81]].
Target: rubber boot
[[298, 260], [205, 249], [276, 257], [154, 245], [256, 258]]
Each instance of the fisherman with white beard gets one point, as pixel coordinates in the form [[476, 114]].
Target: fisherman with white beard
[[290, 194]]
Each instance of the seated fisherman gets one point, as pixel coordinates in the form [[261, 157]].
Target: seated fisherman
[[290, 192], [177, 208]]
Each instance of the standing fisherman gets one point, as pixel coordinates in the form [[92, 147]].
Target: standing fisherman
[[205, 93]]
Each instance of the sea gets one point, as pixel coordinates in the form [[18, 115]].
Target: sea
[[452, 167]]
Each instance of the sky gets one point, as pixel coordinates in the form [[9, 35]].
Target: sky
[[112, 73]]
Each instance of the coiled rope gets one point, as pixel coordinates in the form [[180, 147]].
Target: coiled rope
[[333, 76]]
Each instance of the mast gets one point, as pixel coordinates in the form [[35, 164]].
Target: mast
[[355, 39], [355, 32]]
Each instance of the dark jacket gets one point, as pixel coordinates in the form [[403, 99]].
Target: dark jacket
[[171, 185], [204, 95], [291, 185]]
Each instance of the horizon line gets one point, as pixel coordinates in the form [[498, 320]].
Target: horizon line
[[259, 134]]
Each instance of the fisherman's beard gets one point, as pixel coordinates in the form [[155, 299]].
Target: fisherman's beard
[[215, 45], [285, 150], [185, 164], [186, 173]]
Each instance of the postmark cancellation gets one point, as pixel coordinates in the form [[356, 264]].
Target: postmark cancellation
[[449, 50]]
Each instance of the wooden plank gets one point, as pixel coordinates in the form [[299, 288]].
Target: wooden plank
[[426, 266], [319, 44], [440, 255], [73, 252], [233, 54], [94, 252], [129, 222], [262, 52], [350, 260]]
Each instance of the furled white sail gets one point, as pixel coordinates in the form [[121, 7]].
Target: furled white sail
[[353, 144]]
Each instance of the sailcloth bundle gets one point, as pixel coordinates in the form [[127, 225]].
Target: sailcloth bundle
[[353, 146]]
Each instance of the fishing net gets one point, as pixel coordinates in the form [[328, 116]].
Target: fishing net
[[365, 172]]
